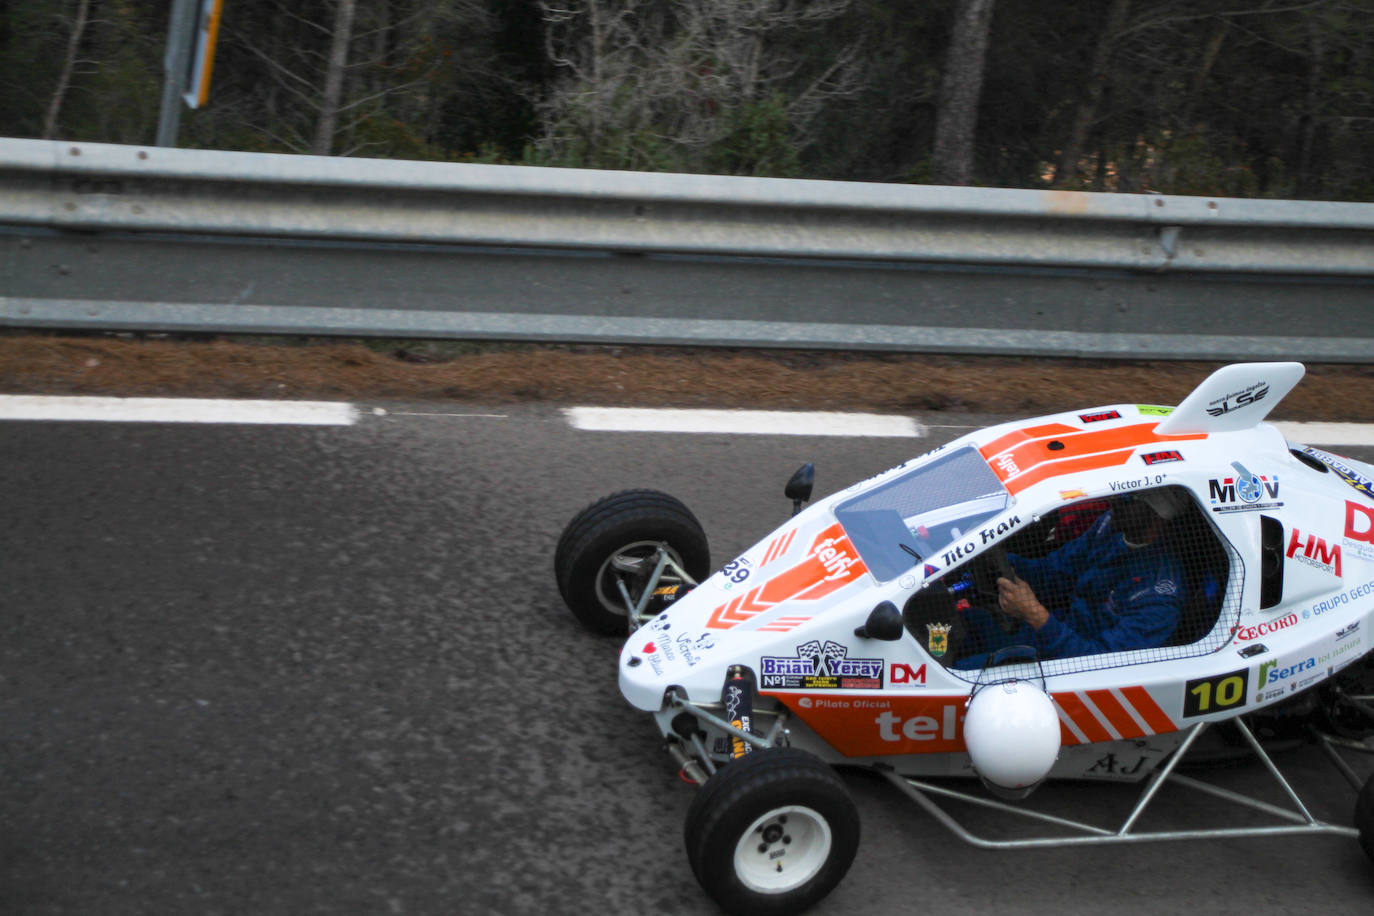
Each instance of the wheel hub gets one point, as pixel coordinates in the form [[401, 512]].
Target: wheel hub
[[782, 850]]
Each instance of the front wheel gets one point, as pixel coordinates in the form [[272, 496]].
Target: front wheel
[[614, 543], [772, 832]]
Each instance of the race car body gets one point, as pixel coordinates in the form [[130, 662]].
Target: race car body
[[1278, 541], [1094, 588]]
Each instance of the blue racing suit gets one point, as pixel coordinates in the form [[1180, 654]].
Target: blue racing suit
[[1102, 595]]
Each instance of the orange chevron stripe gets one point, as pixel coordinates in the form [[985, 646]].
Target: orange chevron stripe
[[1149, 710], [1082, 717], [1120, 719], [831, 563]]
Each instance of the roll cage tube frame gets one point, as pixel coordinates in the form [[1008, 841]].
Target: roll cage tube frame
[[1301, 820], [634, 610]]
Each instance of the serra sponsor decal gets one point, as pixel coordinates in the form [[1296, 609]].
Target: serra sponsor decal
[[1314, 551], [1264, 629], [1270, 673]]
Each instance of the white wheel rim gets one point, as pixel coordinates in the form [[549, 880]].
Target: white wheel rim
[[782, 850]]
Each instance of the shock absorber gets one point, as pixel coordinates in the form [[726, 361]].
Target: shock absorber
[[737, 695]]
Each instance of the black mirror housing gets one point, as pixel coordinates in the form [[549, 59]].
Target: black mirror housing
[[798, 489], [884, 622]]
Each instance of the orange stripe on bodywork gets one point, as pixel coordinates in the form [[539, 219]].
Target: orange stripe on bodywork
[[1002, 443], [1049, 469], [1115, 713], [1024, 457], [1149, 710], [1082, 716], [831, 563]]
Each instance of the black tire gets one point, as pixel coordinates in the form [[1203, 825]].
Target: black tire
[[1364, 817], [632, 522], [775, 807]]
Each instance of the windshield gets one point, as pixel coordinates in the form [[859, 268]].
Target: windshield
[[909, 519]]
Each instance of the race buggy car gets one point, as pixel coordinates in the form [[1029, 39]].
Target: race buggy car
[[870, 630]]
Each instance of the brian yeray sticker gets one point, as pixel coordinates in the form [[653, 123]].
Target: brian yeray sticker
[[821, 667]]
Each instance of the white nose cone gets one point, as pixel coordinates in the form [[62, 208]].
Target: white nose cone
[[1012, 733]]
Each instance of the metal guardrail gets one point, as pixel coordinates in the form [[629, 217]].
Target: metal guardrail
[[102, 236]]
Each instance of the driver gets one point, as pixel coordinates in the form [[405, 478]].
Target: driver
[[1117, 586]]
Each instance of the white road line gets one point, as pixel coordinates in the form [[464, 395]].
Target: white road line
[[176, 410], [1328, 433], [742, 422]]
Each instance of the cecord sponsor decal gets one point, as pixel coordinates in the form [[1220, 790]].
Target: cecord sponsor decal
[[1245, 634]]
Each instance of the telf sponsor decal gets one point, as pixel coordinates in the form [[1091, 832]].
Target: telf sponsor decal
[[820, 666], [893, 727], [831, 563], [1245, 634], [1243, 493]]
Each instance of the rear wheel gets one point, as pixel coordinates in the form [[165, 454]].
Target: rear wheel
[[615, 541], [772, 832]]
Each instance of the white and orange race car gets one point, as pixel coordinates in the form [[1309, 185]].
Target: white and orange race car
[[874, 628]]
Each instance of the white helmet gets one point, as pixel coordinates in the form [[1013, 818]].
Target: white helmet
[[1012, 733]]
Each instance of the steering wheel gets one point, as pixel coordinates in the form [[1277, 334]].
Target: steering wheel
[[994, 566]]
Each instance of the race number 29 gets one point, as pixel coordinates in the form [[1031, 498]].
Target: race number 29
[[1207, 695]]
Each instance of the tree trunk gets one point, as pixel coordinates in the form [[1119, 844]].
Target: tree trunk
[[962, 84], [1066, 169], [333, 80], [83, 9]]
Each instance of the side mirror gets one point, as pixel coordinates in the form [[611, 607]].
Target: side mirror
[[798, 489], [884, 622]]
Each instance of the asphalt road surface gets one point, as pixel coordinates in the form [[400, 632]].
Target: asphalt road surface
[[325, 670]]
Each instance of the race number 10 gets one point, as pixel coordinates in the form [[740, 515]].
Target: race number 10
[[1207, 695]]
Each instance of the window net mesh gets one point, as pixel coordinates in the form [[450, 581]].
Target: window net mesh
[[1213, 574]]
